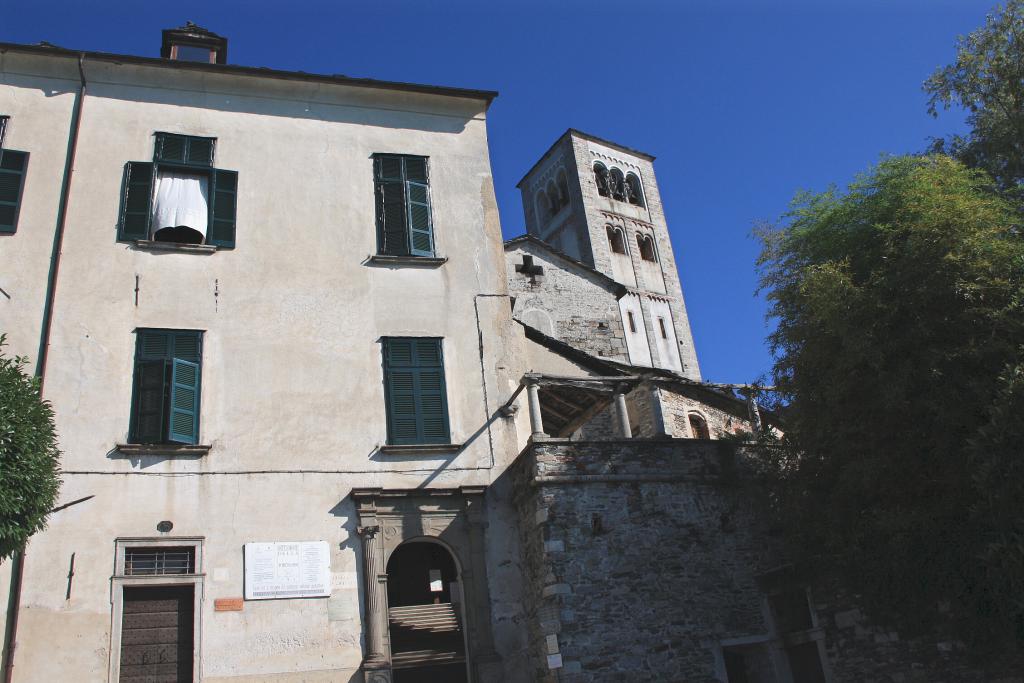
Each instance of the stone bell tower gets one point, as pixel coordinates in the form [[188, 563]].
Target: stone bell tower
[[598, 202]]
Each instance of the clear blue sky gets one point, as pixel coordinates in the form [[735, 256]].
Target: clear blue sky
[[742, 102]]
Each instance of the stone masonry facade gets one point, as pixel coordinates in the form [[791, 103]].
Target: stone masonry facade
[[635, 559], [651, 560], [569, 302]]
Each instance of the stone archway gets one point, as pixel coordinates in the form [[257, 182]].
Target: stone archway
[[426, 623], [449, 518]]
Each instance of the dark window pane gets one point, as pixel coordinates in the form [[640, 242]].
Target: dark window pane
[[805, 663], [792, 611], [193, 53]]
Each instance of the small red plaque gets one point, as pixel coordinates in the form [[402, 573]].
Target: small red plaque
[[228, 604]]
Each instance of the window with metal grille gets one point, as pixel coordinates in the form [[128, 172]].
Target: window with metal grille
[[159, 561]]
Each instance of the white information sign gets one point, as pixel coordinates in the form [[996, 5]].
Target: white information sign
[[287, 570]]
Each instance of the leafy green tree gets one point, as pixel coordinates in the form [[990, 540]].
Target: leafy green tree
[[987, 80], [29, 458], [900, 358]]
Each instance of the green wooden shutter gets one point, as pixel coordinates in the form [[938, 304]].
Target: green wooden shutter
[[170, 147], [12, 180], [136, 198], [184, 414], [400, 385], [187, 346], [183, 149], [148, 410], [433, 403], [392, 235], [199, 151], [421, 241], [415, 391], [223, 193]]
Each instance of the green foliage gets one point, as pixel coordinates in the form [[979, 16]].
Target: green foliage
[[29, 459], [987, 80], [900, 356]]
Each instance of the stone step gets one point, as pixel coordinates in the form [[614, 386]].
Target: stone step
[[439, 618], [403, 660]]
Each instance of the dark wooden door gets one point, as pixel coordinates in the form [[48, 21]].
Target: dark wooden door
[[156, 635]]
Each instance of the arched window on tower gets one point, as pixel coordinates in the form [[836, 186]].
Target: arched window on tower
[[646, 245], [563, 190], [615, 240], [634, 192], [618, 185], [698, 427], [601, 178], [543, 206], [553, 200]]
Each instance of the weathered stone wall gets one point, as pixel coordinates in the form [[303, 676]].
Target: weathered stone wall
[[678, 408], [649, 560], [575, 305], [860, 650], [634, 559]]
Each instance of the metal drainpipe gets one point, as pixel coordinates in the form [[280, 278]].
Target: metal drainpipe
[[18, 560]]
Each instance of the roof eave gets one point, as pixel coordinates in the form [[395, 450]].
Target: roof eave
[[486, 96]]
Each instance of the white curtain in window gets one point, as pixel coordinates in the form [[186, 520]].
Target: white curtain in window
[[181, 199]]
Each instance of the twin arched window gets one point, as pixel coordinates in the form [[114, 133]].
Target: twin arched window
[[620, 188], [553, 198], [645, 243]]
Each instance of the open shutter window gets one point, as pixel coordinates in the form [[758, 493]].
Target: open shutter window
[[184, 415], [391, 215], [421, 240], [135, 201], [224, 191], [148, 413], [12, 180]]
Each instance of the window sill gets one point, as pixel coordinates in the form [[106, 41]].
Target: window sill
[[421, 261], [161, 449], [421, 449], [176, 246]]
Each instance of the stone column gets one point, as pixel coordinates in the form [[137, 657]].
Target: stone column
[[755, 413], [376, 598], [621, 412], [533, 398]]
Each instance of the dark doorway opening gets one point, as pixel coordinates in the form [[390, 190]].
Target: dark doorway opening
[[157, 636], [425, 615]]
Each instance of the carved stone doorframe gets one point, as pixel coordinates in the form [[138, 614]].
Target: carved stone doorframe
[[455, 517]]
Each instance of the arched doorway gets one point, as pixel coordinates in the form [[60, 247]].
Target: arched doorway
[[425, 616]]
